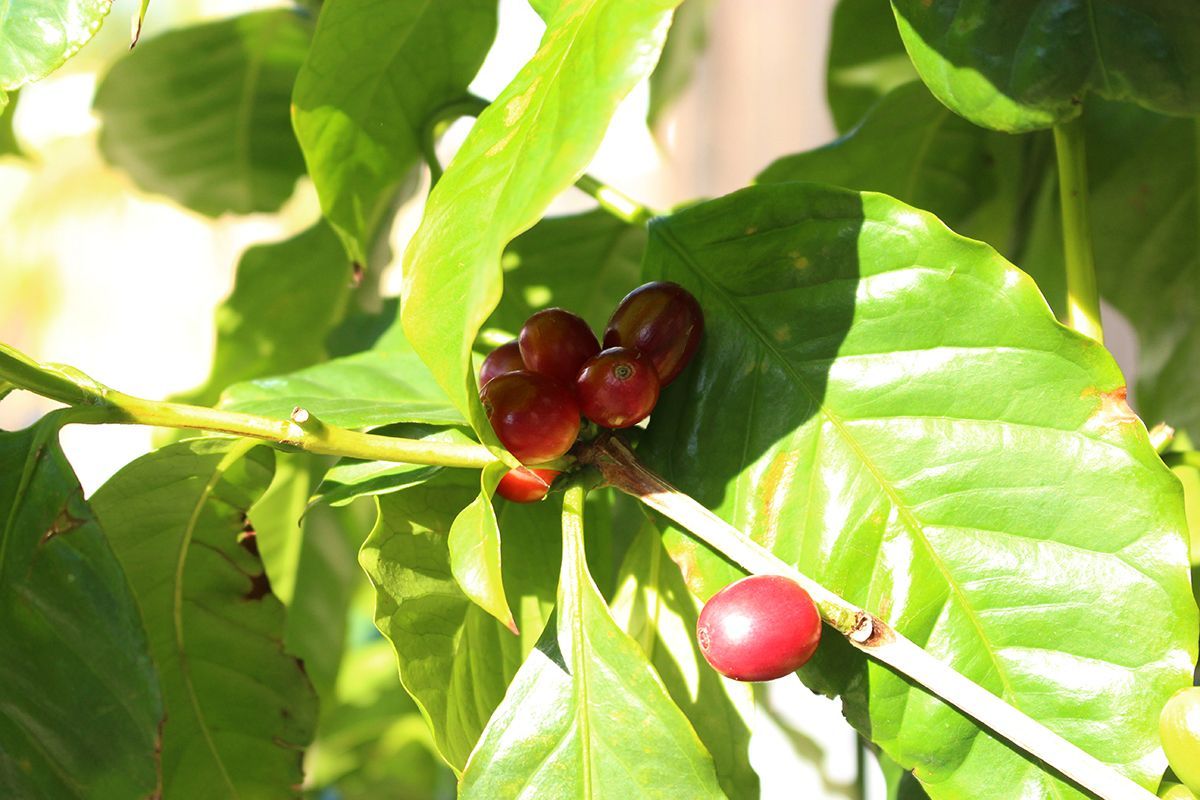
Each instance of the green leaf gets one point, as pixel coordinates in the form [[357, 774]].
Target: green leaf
[[584, 262], [8, 141], [686, 43], [275, 521], [524, 149], [375, 76], [1027, 65], [584, 699], [201, 114], [653, 606], [38, 36], [287, 297], [367, 390], [239, 709], [455, 659], [474, 544], [916, 432], [866, 60], [81, 704]]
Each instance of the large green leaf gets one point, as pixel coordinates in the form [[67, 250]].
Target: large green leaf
[[239, 709], [866, 59], [375, 75], [1143, 200], [587, 716], [526, 147], [287, 297], [653, 606], [584, 262], [918, 433], [455, 659], [1020, 65], [201, 114], [37, 36], [79, 698]]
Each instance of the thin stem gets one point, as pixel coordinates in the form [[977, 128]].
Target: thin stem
[[615, 202], [1083, 298], [862, 629]]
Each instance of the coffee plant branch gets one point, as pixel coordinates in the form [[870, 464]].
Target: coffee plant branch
[[862, 629], [1083, 296]]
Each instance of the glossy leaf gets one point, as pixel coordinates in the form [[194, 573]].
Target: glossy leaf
[[38, 36], [654, 607], [287, 297], [866, 60], [916, 432], [239, 709], [367, 390], [81, 703], [474, 544], [580, 700], [524, 149], [455, 659], [377, 73], [1030, 64], [686, 43], [200, 114], [585, 263]]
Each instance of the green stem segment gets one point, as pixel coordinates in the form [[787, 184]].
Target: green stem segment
[[1083, 297], [614, 202]]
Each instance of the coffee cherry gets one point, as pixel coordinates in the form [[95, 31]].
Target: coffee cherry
[[555, 342], [535, 417], [759, 628], [505, 358], [617, 388], [526, 485], [661, 319], [1179, 729]]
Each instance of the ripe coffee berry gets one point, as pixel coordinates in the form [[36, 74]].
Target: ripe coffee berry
[[535, 417], [661, 319], [617, 388], [526, 485], [759, 628], [505, 358], [555, 342]]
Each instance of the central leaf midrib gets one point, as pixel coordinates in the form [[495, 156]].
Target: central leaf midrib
[[910, 520]]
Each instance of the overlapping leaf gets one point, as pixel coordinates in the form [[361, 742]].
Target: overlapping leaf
[[1030, 64], [201, 114], [580, 700], [37, 36], [376, 74], [524, 149], [455, 659], [866, 59], [239, 709], [916, 432], [79, 698]]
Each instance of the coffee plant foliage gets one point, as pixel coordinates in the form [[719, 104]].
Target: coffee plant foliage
[[277, 603]]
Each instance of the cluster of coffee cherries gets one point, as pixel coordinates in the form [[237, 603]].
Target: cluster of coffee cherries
[[536, 388]]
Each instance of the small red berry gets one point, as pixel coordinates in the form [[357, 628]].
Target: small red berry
[[526, 485], [535, 417], [617, 388], [759, 628], [664, 321], [555, 342], [505, 358]]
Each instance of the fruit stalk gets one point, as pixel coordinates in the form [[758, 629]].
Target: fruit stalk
[[864, 630], [1083, 297]]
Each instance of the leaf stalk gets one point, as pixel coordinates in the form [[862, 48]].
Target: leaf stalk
[[1083, 296]]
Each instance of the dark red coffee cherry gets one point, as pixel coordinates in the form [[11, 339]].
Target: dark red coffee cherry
[[535, 417], [526, 485], [617, 388], [661, 319], [505, 358], [555, 342], [759, 628]]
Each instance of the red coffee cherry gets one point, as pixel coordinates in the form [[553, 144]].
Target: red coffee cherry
[[535, 417], [526, 485], [661, 319], [617, 388], [505, 358], [555, 342], [759, 628]]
